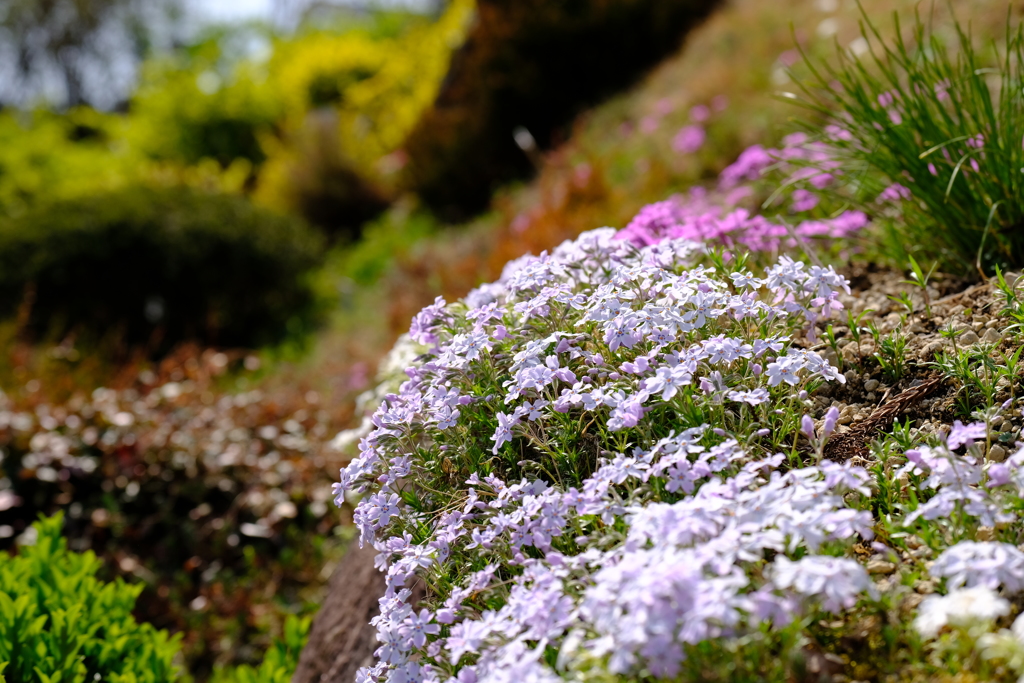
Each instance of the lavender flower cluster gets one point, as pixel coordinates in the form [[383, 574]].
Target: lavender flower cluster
[[549, 472]]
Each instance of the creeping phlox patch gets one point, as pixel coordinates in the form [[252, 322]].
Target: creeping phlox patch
[[549, 472], [803, 168]]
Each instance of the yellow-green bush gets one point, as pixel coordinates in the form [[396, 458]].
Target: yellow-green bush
[[315, 128], [379, 85], [351, 100], [53, 156], [200, 105], [59, 623], [46, 157]]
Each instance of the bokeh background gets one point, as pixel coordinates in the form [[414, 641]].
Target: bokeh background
[[217, 216]]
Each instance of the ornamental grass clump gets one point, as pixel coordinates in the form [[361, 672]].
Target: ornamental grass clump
[[930, 136]]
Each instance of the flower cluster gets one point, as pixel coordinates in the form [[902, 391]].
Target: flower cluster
[[716, 218], [964, 484], [549, 470]]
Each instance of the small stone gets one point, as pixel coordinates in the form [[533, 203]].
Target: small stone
[[1006, 426], [931, 348], [997, 453], [985, 533], [871, 385], [969, 338], [925, 586], [850, 352], [880, 567], [911, 602], [992, 336], [871, 397], [914, 542], [917, 328]]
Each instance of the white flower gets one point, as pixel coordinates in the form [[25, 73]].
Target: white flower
[[986, 563], [959, 608]]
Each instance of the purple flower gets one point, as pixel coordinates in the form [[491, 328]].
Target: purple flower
[[754, 397], [829, 425], [894, 193], [784, 370], [503, 433], [987, 564], [804, 200], [807, 426], [689, 139], [962, 434], [836, 582], [417, 627]]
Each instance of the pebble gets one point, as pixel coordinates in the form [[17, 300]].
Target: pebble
[[997, 453], [992, 336], [969, 338], [985, 533], [871, 385], [925, 586], [911, 602], [880, 567]]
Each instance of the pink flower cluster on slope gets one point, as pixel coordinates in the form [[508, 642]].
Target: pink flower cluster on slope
[[713, 218]]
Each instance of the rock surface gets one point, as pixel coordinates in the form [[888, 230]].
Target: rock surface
[[342, 640]]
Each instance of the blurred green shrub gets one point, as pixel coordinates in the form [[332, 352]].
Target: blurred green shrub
[[350, 101], [46, 156], [280, 661], [56, 156], [159, 266], [59, 623], [203, 103], [535, 64]]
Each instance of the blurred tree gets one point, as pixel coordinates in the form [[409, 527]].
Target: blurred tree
[[74, 52], [531, 65]]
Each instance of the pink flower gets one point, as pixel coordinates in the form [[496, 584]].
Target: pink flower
[[804, 201], [689, 139]]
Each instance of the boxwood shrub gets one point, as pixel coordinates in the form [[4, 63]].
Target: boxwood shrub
[[159, 265], [58, 622]]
